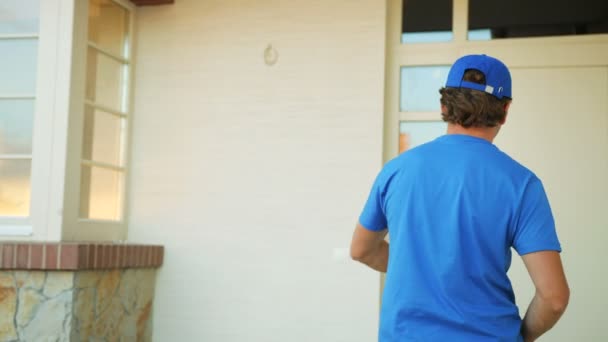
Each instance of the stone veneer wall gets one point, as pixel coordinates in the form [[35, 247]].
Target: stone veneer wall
[[113, 305], [95, 304]]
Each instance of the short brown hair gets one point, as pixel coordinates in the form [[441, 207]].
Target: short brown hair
[[472, 108]]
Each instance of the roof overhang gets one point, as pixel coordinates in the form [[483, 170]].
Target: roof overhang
[[152, 2]]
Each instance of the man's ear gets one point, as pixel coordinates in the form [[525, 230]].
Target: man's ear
[[504, 120], [507, 105], [444, 109]]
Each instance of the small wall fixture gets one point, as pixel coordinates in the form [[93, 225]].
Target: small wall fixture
[[271, 55]]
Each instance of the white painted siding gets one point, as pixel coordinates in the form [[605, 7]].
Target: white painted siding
[[253, 176]]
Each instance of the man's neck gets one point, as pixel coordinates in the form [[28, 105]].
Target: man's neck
[[487, 133]]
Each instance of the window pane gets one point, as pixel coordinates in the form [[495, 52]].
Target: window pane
[[103, 136], [104, 80], [100, 193], [19, 16], [427, 37], [18, 66], [427, 21], [414, 133], [480, 34], [14, 187], [16, 126], [420, 87], [523, 18], [108, 25]]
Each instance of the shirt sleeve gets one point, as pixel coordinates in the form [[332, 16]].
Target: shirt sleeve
[[535, 227], [373, 216]]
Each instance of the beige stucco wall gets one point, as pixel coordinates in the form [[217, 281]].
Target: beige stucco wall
[[253, 176]]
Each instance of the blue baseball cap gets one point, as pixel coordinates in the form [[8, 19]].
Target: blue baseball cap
[[498, 77]]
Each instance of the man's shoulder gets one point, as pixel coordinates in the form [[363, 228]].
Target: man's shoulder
[[513, 166], [428, 149], [432, 152]]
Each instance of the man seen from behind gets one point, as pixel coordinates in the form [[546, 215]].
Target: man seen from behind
[[454, 208]]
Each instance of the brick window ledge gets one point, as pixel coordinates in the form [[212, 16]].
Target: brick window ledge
[[74, 256]]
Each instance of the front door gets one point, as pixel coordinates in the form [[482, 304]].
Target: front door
[[557, 126]]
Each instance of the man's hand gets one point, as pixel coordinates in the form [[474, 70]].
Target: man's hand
[[552, 293], [370, 248]]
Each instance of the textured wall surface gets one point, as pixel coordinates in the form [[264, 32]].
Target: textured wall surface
[[113, 305], [36, 306], [76, 306], [253, 176]]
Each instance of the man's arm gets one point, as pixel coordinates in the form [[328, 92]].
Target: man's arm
[[552, 293], [370, 248]]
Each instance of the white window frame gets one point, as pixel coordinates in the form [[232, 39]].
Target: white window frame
[[38, 225], [58, 129], [74, 227]]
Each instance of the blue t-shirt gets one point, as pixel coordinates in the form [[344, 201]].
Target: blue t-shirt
[[454, 207]]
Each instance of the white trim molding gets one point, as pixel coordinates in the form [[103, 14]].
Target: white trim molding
[[16, 230], [106, 109], [6, 36], [108, 53], [17, 97], [15, 156]]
